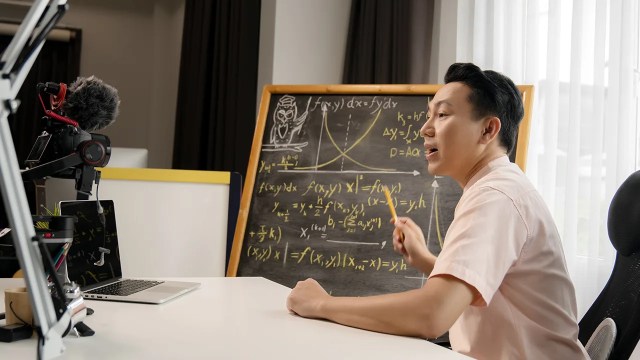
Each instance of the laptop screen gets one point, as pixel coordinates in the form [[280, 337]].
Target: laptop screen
[[93, 257]]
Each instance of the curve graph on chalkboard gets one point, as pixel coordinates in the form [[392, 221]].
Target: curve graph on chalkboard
[[343, 151], [313, 204]]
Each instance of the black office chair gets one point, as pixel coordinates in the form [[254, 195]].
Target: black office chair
[[620, 298]]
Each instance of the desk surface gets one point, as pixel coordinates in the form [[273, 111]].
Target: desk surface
[[226, 318]]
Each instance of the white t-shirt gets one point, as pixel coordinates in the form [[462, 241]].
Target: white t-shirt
[[504, 243]]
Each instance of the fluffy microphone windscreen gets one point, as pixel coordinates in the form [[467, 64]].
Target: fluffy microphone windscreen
[[92, 103]]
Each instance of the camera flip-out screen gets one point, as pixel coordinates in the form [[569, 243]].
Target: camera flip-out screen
[[38, 149]]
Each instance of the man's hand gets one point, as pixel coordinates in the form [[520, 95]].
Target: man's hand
[[408, 240], [306, 299]]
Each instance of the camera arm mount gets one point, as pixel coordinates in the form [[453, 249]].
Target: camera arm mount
[[79, 165], [83, 173], [15, 63]]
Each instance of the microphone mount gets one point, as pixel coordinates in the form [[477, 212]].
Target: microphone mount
[[64, 150]]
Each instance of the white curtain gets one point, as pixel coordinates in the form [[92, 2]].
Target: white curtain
[[582, 58]]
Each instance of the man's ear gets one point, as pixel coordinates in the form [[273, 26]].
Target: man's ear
[[491, 129]]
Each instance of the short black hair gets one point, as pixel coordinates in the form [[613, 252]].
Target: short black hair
[[492, 94]]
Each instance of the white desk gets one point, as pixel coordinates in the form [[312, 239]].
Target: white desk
[[226, 318]]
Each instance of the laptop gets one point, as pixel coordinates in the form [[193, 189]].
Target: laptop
[[93, 260]]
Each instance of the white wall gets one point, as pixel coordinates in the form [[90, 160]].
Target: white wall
[[443, 53], [135, 46], [303, 41]]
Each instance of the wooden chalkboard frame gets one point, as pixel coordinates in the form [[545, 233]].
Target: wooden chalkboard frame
[[269, 90]]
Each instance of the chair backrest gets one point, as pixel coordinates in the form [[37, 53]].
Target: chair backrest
[[620, 298], [600, 344]]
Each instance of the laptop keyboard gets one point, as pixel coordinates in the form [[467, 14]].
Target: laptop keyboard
[[125, 287]]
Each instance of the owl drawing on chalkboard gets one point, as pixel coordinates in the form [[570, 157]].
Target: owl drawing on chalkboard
[[286, 125]]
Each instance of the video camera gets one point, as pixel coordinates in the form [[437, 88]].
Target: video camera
[[64, 149]]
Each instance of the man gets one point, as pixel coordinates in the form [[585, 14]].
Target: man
[[500, 285]]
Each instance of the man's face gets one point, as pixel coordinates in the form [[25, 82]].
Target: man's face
[[452, 133]]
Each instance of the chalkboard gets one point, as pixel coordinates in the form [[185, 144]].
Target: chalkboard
[[313, 204]]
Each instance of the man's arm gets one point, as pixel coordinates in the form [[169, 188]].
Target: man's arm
[[427, 312]]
